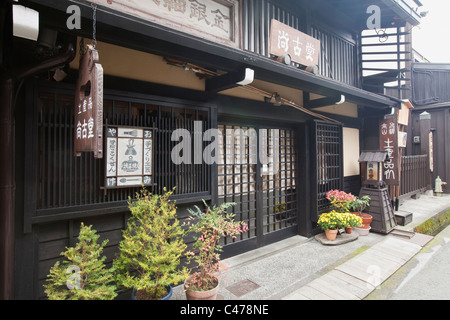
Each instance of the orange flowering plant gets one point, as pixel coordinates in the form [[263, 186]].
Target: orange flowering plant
[[340, 200], [209, 227]]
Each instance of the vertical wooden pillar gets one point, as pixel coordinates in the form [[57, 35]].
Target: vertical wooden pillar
[[6, 156], [6, 190]]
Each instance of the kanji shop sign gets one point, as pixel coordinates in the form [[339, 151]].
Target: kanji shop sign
[[88, 133], [215, 20], [129, 157], [302, 48], [389, 143]]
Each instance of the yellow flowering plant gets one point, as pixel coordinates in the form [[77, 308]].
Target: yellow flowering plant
[[338, 220], [350, 220], [330, 220]]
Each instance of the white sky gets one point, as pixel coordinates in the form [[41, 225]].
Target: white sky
[[432, 37]]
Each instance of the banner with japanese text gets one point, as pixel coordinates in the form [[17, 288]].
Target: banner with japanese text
[[389, 143]]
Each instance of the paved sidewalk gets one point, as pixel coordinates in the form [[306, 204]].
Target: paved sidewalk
[[358, 277], [302, 268]]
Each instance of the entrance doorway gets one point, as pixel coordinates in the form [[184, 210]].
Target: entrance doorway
[[257, 169]]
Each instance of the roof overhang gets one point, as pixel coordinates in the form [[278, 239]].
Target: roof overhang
[[125, 30], [404, 10]]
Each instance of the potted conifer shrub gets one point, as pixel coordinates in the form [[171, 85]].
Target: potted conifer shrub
[[151, 248], [209, 227], [83, 275]]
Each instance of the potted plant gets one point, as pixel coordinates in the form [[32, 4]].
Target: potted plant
[[357, 206], [83, 276], [331, 222], [151, 248], [340, 200], [209, 227], [351, 221]]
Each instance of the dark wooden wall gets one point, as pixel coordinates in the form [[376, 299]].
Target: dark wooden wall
[[338, 57], [440, 124]]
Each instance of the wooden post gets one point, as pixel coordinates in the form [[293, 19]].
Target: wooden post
[[6, 190]]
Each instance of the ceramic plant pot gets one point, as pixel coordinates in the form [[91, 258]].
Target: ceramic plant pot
[[201, 295], [348, 230], [331, 234], [169, 295], [363, 231]]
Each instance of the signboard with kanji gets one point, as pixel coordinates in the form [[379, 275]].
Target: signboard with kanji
[[389, 143], [129, 157], [301, 47], [215, 20], [88, 133]]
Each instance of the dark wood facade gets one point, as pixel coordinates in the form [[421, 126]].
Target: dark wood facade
[[430, 94], [55, 191]]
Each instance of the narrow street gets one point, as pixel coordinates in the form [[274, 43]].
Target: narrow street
[[425, 277]]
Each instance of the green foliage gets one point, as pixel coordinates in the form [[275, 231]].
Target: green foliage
[[152, 246], [210, 226], [435, 224], [359, 204], [91, 280]]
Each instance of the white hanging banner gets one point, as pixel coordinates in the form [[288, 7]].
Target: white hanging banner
[[129, 157]]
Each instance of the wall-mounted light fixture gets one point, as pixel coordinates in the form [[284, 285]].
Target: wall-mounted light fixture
[[25, 22], [230, 80]]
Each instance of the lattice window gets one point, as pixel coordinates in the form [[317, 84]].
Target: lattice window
[[65, 180], [328, 163]]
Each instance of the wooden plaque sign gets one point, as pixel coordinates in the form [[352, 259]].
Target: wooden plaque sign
[[88, 133], [389, 143], [215, 20], [129, 157], [301, 47]]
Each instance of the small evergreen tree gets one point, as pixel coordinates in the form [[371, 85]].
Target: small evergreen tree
[[152, 247], [83, 276]]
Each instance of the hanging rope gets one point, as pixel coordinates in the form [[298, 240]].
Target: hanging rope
[[94, 24]]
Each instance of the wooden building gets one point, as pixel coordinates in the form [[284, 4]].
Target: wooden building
[[430, 94], [192, 65]]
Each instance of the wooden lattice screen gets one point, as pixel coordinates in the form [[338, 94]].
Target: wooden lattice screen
[[327, 164], [65, 180]]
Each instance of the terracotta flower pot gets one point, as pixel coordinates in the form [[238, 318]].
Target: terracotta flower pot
[[331, 234], [201, 295], [367, 219], [348, 230]]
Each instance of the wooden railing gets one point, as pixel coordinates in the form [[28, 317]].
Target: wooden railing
[[414, 175]]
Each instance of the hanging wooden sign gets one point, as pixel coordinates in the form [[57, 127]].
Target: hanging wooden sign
[[129, 157], [88, 133]]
